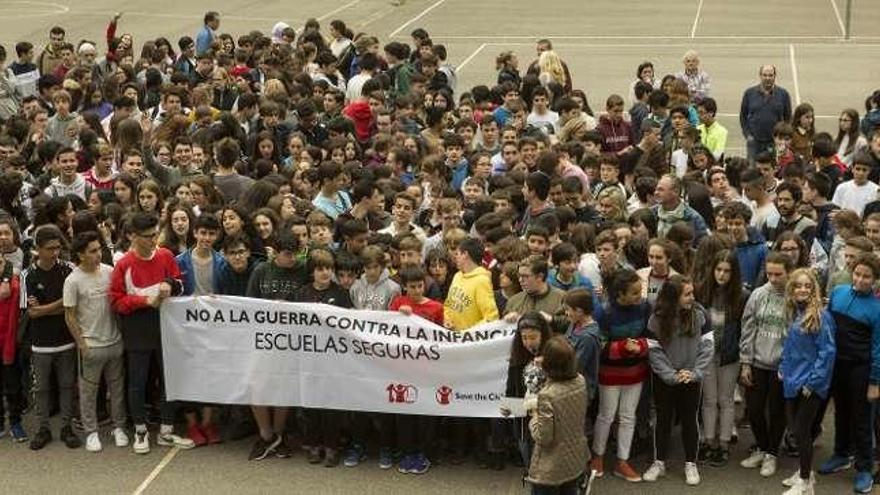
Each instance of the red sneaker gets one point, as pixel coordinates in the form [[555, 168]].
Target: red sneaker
[[196, 435], [211, 433], [597, 465]]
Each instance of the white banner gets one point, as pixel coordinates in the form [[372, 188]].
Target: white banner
[[237, 350]]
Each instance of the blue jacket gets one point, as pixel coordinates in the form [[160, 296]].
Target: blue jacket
[[857, 320], [759, 112], [585, 341], [751, 255], [728, 348], [459, 174], [187, 274], [808, 358]]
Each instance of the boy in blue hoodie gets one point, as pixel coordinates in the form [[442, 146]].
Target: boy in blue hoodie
[[751, 250], [583, 335], [856, 377]]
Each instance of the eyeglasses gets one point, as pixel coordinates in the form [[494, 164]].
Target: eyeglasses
[[237, 253]]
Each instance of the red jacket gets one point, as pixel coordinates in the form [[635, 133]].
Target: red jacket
[[360, 113], [615, 135], [9, 309], [429, 309]]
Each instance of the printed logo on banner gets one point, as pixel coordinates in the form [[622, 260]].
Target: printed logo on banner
[[401, 393], [443, 395]]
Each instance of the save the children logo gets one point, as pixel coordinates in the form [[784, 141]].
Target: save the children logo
[[401, 393], [443, 395]]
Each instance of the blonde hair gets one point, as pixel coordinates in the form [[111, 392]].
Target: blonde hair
[[615, 195], [811, 321], [549, 63]]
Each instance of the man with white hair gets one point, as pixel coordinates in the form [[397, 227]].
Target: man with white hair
[[698, 81]]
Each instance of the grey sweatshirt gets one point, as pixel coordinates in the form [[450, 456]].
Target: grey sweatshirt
[[378, 296], [763, 328], [681, 352]]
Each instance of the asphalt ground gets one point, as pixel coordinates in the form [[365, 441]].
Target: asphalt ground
[[602, 41]]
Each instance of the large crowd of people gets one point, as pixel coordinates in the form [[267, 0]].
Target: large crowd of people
[[653, 276]]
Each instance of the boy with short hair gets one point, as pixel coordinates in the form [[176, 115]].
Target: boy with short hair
[[583, 335], [320, 230], [854, 194], [415, 432], [565, 275], [62, 126], [52, 344], [538, 240], [471, 300], [374, 289], [92, 323], [453, 146], [201, 269], [68, 181], [609, 175], [142, 279], [616, 132], [348, 269], [751, 250], [403, 210], [853, 247], [323, 433]]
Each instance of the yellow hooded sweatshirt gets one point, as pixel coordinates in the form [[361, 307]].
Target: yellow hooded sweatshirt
[[471, 300]]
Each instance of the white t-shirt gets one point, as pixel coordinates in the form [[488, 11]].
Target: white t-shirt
[[546, 122], [88, 293], [850, 196]]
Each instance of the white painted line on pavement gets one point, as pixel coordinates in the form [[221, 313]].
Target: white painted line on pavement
[[338, 10], [414, 19], [794, 75], [470, 57], [158, 469], [839, 19], [697, 19]]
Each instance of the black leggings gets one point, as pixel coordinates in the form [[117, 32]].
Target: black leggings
[[765, 406], [802, 412], [852, 413], [682, 400]]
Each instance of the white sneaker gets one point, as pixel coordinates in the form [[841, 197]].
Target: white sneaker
[[657, 469], [93, 442], [141, 443], [120, 437], [801, 487], [754, 460], [768, 465], [791, 480], [172, 440], [691, 474]]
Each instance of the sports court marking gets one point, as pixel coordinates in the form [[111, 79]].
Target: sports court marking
[[155, 472], [338, 10], [375, 17], [839, 20], [675, 44], [471, 57], [414, 19], [697, 19], [794, 75], [643, 37]]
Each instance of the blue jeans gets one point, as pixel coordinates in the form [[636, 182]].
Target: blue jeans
[[139, 363]]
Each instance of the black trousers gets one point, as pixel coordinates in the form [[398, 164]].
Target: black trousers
[[10, 380], [415, 433], [852, 413], [765, 406], [802, 412], [680, 401]]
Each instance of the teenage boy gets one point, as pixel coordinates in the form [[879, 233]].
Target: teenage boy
[[52, 345], [228, 181], [410, 252], [488, 137], [762, 204], [471, 300], [374, 289], [331, 199], [712, 134], [25, 70], [279, 279], [583, 335], [609, 175], [415, 433], [453, 146], [538, 240], [101, 176], [573, 190], [181, 167], [853, 247], [541, 116], [536, 294], [751, 250], [68, 180], [536, 190], [854, 384], [323, 431], [854, 194], [565, 276], [616, 132], [510, 93], [142, 280], [63, 126], [201, 270], [92, 323], [402, 213]]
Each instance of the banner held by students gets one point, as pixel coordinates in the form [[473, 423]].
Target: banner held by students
[[237, 350]]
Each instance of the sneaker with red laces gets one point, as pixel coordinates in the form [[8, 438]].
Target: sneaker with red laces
[[211, 433], [196, 435], [623, 470], [597, 465]]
